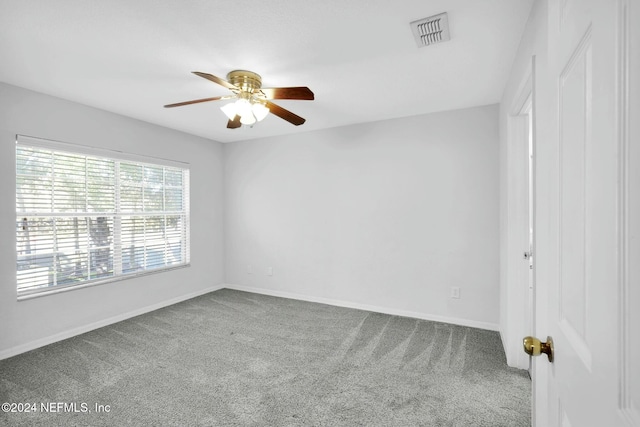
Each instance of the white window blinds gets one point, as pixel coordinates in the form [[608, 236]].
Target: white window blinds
[[83, 218]]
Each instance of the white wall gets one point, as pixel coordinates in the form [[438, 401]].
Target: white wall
[[513, 292], [30, 323], [385, 216]]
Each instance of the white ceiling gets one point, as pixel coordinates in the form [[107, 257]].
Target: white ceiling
[[358, 56]]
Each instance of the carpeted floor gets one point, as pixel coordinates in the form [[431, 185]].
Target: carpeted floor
[[232, 358]]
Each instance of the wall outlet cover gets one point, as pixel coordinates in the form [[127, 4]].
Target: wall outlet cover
[[455, 292]]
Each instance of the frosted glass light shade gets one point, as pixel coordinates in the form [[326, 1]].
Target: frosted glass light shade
[[230, 110], [259, 111], [244, 107]]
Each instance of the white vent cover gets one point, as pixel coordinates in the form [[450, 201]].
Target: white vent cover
[[434, 29]]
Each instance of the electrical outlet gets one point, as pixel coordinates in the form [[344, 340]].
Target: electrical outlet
[[270, 271], [455, 292], [249, 269]]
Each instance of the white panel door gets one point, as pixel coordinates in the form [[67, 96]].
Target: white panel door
[[591, 304]]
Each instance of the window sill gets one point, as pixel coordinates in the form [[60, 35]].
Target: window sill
[[36, 293]]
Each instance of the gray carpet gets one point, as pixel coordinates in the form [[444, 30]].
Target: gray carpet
[[232, 358]]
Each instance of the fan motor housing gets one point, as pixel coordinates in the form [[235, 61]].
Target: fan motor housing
[[247, 81]]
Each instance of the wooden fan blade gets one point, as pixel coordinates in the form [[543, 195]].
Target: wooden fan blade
[[195, 101], [298, 92], [221, 82], [235, 123], [285, 114]]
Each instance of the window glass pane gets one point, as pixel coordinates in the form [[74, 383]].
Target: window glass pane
[[130, 198], [100, 246], [153, 176], [131, 172], [71, 234], [33, 194], [173, 199], [173, 177], [99, 198], [35, 261], [33, 161], [132, 237], [154, 239], [69, 183], [153, 199], [71, 267], [174, 238], [68, 196], [100, 185], [71, 254], [100, 169], [69, 167]]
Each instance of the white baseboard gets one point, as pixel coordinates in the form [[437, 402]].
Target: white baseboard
[[22, 348], [291, 295], [366, 307]]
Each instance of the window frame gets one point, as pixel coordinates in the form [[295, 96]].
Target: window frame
[[118, 157]]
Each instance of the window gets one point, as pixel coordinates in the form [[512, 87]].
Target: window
[[83, 217]]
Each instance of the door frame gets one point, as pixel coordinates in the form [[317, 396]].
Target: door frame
[[520, 311]]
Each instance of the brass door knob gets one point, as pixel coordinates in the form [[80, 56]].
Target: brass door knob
[[534, 347]]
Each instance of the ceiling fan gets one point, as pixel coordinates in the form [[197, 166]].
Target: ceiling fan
[[252, 100]]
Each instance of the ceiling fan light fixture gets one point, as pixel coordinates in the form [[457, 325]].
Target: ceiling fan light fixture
[[252, 102]]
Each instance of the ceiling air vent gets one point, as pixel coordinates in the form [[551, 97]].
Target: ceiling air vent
[[434, 29]]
